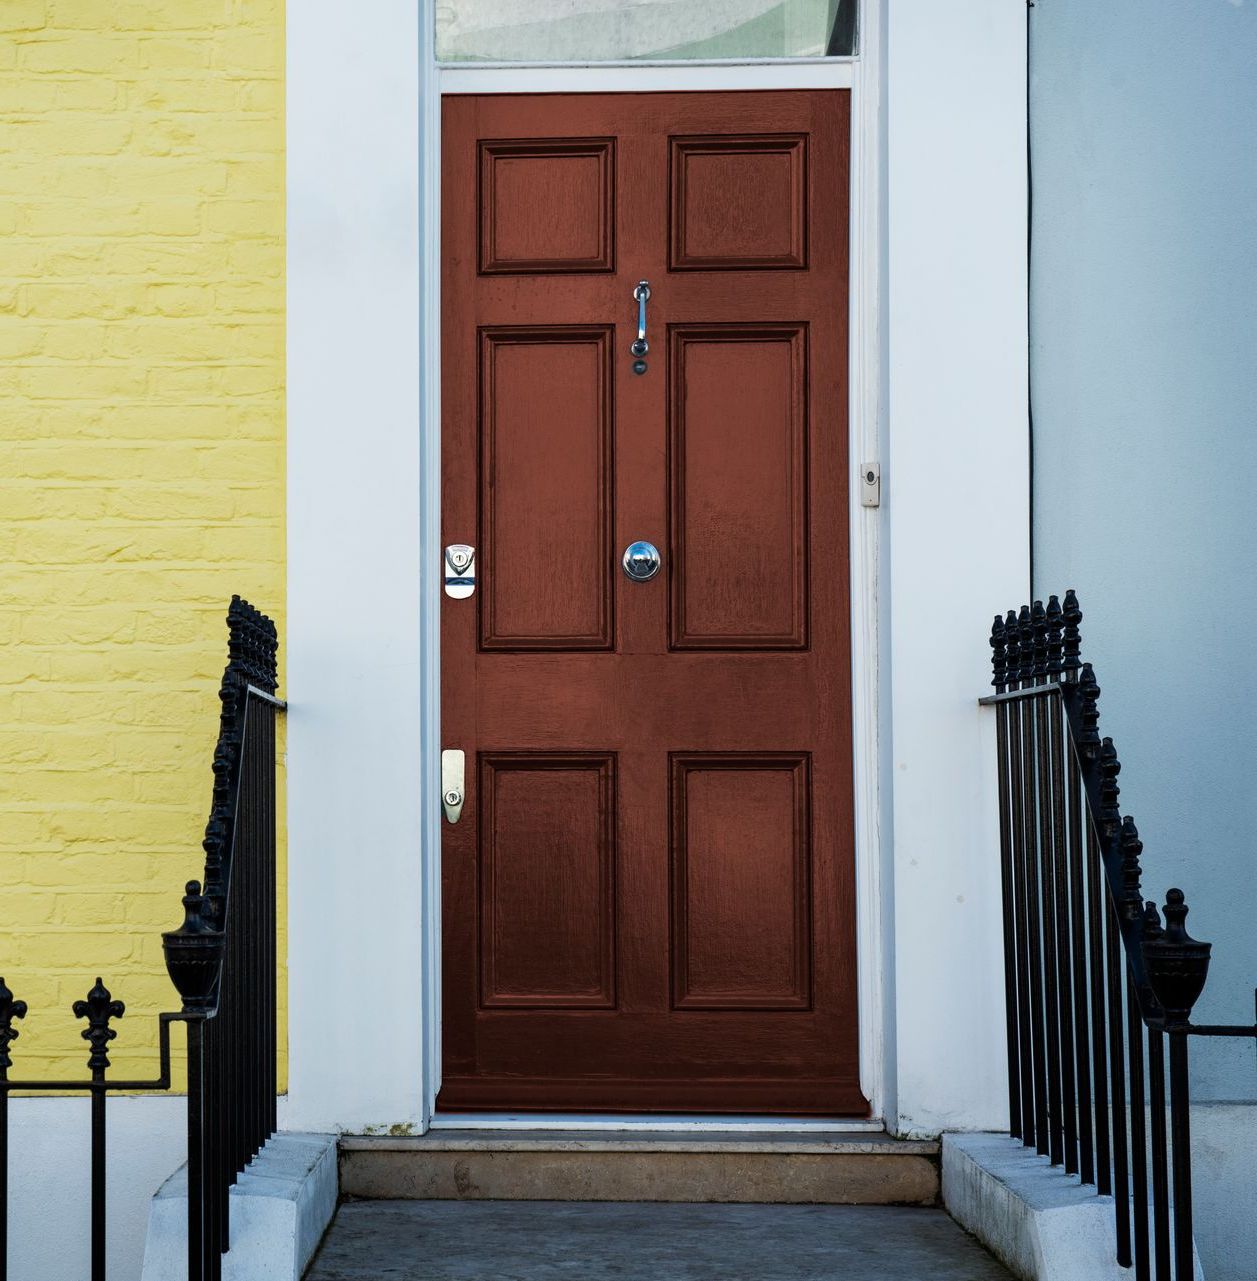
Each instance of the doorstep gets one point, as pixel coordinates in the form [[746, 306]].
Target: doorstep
[[865, 1168]]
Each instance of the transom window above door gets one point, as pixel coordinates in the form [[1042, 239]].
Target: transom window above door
[[642, 30]]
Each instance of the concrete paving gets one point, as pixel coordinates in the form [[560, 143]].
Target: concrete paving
[[645, 1241]]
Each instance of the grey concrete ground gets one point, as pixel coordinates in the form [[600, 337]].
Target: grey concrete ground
[[617, 1241]]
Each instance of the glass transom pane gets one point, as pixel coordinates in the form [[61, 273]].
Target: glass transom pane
[[624, 30]]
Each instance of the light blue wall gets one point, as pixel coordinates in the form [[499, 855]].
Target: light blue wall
[[1144, 365]]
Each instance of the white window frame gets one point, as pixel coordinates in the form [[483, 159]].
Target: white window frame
[[363, 673]]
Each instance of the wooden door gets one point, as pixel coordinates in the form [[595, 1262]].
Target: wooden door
[[648, 898]]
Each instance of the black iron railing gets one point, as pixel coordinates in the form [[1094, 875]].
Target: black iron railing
[[222, 961], [1098, 986]]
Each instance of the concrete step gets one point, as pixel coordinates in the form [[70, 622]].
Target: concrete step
[[800, 1167]]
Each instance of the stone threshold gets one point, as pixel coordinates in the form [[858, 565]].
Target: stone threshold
[[774, 1142]]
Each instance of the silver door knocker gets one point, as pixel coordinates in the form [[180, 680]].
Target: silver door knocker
[[639, 347]]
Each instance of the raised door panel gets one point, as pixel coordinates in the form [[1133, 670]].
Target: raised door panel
[[547, 880], [547, 205], [545, 489], [738, 202], [738, 464], [741, 882]]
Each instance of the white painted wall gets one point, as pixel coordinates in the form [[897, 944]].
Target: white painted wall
[[50, 1185], [957, 493], [355, 650]]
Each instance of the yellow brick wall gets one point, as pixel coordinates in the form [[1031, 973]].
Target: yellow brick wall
[[141, 471]]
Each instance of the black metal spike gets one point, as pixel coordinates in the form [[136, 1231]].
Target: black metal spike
[[999, 654], [1055, 643], [1038, 616], [98, 1009], [1072, 641], [1110, 767], [1089, 712]]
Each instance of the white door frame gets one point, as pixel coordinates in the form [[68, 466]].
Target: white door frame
[[860, 76], [363, 671]]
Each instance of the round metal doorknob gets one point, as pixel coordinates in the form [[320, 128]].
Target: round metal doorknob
[[641, 561]]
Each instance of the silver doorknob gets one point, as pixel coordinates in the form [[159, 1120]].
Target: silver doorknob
[[641, 561]]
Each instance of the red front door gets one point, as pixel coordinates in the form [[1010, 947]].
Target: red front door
[[648, 897]]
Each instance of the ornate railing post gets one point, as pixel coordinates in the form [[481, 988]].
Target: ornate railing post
[[194, 960], [98, 1009], [1177, 966]]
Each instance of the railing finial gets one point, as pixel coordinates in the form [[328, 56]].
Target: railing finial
[[1177, 965], [1025, 632], [1072, 616], [1132, 847], [1039, 627], [1089, 712], [1110, 815], [98, 1010], [1012, 637], [194, 952], [999, 654], [1152, 921], [1055, 642]]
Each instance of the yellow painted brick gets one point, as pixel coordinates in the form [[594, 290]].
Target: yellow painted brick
[[20, 340], [219, 135], [71, 342], [108, 217], [198, 94], [22, 94], [66, 135], [162, 260], [22, 15], [254, 178], [140, 15], [176, 55], [91, 53], [167, 176], [262, 95], [250, 54], [53, 300], [257, 259]]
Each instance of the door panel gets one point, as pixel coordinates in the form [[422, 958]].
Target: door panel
[[737, 465], [741, 882], [547, 205], [546, 504], [739, 202], [648, 901], [547, 871]]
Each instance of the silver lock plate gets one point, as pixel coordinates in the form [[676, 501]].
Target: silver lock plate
[[460, 570], [453, 764]]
